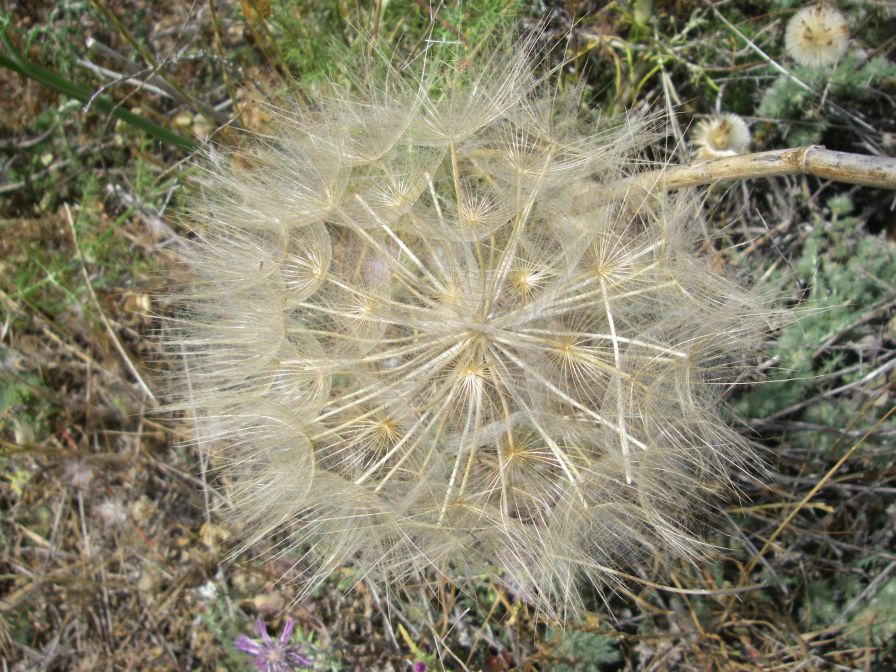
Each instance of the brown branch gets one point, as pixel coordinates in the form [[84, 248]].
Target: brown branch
[[869, 171]]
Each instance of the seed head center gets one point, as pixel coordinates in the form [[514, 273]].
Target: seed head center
[[479, 330]]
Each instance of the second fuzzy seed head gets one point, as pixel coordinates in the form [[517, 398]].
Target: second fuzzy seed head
[[816, 36], [721, 137]]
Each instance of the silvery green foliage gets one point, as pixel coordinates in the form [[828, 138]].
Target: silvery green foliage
[[422, 337]]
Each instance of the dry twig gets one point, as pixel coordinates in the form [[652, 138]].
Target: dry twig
[[868, 171]]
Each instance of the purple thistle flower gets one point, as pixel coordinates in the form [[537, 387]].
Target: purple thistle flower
[[270, 656]]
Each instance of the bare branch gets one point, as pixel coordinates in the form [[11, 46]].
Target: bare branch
[[869, 171]]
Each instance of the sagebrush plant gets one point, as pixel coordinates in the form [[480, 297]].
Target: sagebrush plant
[[423, 337]]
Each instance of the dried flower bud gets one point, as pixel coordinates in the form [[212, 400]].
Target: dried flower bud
[[816, 36], [722, 136]]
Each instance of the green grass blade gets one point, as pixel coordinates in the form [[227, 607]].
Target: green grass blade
[[14, 61]]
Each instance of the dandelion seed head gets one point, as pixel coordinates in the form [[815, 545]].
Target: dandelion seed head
[[816, 36], [421, 338]]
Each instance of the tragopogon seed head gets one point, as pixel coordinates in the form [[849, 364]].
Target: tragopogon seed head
[[424, 336], [816, 36]]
